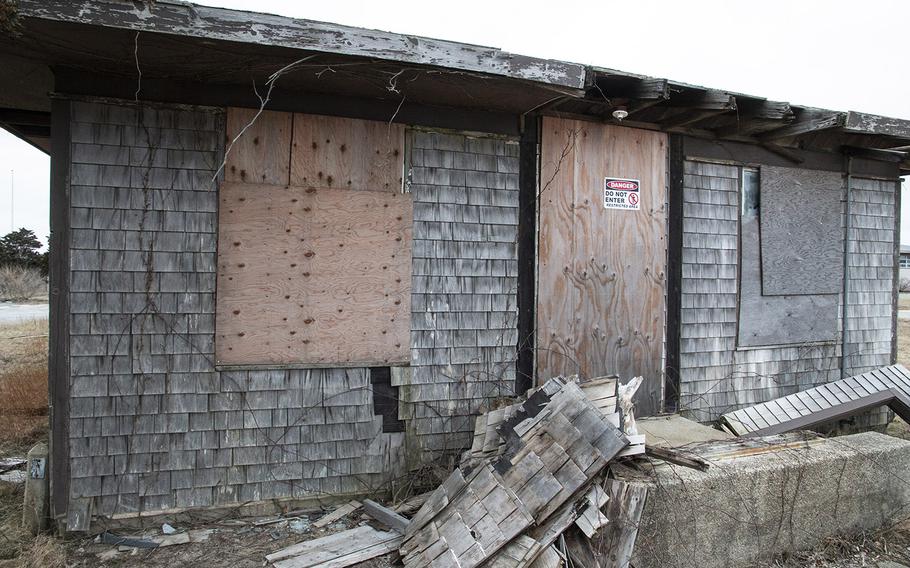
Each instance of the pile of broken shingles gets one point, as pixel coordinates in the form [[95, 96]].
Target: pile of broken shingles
[[535, 470]]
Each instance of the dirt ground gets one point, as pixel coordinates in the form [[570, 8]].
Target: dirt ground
[[242, 543]]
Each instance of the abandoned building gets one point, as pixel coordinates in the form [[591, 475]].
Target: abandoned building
[[294, 260]]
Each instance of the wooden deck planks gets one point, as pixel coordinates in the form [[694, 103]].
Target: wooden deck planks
[[828, 401]]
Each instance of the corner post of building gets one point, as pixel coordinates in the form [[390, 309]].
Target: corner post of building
[[59, 311]]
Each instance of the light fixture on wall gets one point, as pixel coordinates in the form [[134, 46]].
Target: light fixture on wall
[[620, 114]]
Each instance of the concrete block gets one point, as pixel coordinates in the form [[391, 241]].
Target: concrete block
[[780, 495]]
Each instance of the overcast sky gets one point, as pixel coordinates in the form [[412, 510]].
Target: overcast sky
[[836, 54]]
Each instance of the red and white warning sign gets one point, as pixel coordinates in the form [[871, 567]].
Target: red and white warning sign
[[620, 193]]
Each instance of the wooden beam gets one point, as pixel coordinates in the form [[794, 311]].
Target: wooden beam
[[826, 122], [385, 516], [783, 152], [25, 117], [885, 155], [704, 100], [863, 123], [755, 116], [689, 118], [677, 458]]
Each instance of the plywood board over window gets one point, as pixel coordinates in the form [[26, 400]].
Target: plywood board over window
[[313, 276], [316, 271]]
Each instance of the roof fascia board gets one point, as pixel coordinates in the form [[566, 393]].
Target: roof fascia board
[[266, 29], [874, 124]]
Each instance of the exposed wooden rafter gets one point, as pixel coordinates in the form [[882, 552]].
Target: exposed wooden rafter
[[800, 127]]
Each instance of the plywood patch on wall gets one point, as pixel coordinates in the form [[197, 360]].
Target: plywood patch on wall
[[334, 152], [262, 153], [313, 276], [801, 233], [314, 243]]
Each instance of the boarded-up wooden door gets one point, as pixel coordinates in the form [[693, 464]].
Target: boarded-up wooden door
[[602, 271]]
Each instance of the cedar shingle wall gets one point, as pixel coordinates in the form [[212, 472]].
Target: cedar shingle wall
[[152, 424], [464, 302], [871, 271], [715, 375]]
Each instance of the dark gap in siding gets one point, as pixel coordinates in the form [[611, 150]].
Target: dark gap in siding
[[385, 399], [527, 253], [674, 272]]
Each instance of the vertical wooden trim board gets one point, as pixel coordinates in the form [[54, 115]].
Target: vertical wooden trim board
[[674, 272], [602, 272], [59, 275]]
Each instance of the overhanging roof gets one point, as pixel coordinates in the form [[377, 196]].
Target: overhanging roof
[[178, 41]]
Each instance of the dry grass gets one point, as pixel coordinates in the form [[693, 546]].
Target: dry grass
[[20, 284], [23, 385], [23, 406], [903, 302]]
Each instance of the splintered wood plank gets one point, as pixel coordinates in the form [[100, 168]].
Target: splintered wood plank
[[347, 153], [262, 153], [313, 276], [601, 272], [337, 514], [627, 502], [331, 544]]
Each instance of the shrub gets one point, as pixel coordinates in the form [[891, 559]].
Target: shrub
[[19, 283]]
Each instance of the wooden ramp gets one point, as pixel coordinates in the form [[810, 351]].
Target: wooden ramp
[[839, 399]]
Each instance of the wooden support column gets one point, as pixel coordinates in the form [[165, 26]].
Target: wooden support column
[[59, 274]]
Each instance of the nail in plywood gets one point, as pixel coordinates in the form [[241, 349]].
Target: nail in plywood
[[335, 152], [313, 276], [601, 273], [261, 154]]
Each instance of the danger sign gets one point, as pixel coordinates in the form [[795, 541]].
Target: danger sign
[[620, 193]]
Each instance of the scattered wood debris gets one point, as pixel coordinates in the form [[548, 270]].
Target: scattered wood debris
[[338, 550], [513, 505], [128, 543], [385, 516], [677, 457], [531, 492], [338, 514]]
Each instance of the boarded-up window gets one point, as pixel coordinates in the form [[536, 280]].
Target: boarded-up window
[[801, 231], [766, 319], [314, 251]]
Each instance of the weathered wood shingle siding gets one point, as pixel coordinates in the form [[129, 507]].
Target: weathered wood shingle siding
[[464, 295], [152, 424], [870, 270], [716, 375]]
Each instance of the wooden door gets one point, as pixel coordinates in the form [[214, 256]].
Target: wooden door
[[602, 271]]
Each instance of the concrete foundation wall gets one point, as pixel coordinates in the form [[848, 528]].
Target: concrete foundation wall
[[751, 508]]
